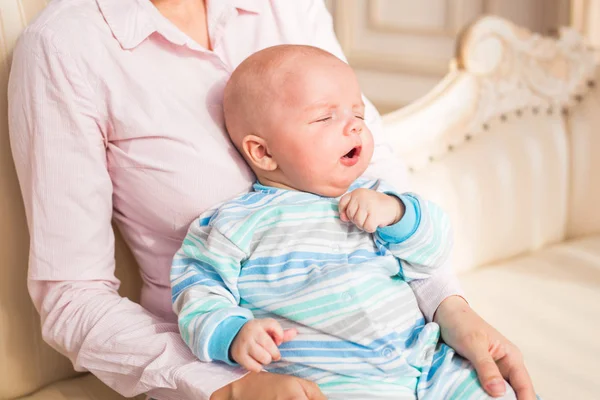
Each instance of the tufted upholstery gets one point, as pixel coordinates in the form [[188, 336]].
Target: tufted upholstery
[[583, 126], [519, 178]]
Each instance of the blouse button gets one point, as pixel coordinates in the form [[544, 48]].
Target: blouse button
[[346, 296], [388, 352]]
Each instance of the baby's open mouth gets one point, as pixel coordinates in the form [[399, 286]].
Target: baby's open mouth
[[351, 157]]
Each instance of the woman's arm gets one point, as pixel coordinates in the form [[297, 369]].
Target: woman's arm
[[385, 165], [58, 142]]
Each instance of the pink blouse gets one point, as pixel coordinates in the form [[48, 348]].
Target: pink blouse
[[115, 113]]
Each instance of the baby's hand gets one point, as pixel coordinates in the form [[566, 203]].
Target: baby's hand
[[368, 209], [256, 343]]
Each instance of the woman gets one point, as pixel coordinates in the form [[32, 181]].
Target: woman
[[115, 111]]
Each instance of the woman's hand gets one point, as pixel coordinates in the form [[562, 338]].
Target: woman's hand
[[492, 355], [267, 386]]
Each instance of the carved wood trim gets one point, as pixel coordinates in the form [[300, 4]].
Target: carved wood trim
[[500, 72], [517, 68]]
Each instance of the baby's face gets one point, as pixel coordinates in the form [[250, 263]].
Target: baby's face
[[317, 130]]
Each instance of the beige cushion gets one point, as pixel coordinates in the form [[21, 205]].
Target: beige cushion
[[86, 387], [26, 362], [548, 303]]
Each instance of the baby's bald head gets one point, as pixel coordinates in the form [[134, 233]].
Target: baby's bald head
[[296, 114], [259, 81]]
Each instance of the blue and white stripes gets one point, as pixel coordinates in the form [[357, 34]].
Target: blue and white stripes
[[282, 254]]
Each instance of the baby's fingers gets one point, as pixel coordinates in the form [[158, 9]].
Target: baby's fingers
[[289, 334], [250, 363], [370, 224], [274, 329], [267, 343], [360, 218], [342, 205], [352, 209], [260, 354]]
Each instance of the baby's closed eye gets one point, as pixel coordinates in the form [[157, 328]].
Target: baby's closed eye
[[324, 119]]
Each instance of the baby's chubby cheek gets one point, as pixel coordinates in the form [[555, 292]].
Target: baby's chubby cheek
[[368, 145]]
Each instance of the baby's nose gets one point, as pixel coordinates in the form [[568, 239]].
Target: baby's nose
[[353, 128]]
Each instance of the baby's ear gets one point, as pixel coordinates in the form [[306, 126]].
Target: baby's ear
[[257, 153]]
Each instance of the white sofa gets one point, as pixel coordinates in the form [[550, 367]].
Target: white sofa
[[509, 144], [491, 144]]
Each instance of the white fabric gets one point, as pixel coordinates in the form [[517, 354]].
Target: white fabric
[[584, 132], [548, 304], [505, 189]]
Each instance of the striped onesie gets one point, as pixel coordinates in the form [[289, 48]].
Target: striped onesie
[[283, 254]]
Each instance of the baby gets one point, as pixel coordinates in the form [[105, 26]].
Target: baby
[[307, 274]]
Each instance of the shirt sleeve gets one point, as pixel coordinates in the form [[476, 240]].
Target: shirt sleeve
[[58, 146], [384, 165], [204, 277]]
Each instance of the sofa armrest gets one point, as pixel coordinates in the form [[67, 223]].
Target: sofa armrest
[[490, 143]]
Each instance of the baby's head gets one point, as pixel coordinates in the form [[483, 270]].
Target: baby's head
[[297, 116]]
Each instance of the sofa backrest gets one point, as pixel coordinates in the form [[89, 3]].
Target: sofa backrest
[[26, 362], [583, 124], [506, 142]]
